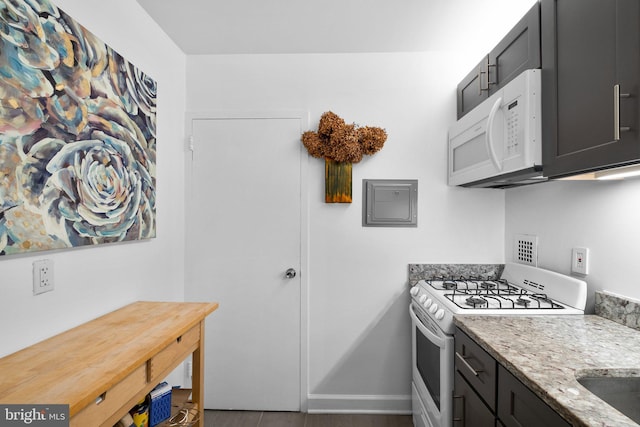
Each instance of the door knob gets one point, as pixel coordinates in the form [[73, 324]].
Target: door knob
[[290, 273]]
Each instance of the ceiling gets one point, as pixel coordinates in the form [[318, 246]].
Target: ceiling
[[331, 26]]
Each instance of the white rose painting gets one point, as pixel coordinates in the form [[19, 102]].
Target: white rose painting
[[77, 135]]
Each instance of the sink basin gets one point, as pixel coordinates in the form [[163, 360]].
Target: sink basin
[[623, 393]]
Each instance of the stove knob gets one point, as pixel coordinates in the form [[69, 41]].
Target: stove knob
[[415, 290], [427, 303], [433, 308], [439, 314], [422, 299]]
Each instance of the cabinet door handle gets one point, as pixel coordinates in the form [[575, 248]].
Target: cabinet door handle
[[460, 419], [616, 112], [489, 82], [462, 359], [480, 73]]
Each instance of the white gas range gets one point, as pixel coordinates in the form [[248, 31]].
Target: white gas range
[[520, 290]]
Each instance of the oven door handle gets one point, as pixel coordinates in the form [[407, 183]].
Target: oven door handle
[[439, 342]]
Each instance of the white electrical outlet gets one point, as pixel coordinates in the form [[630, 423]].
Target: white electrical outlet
[[580, 260], [42, 276], [525, 249]]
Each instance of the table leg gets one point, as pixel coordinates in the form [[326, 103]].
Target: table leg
[[197, 383]]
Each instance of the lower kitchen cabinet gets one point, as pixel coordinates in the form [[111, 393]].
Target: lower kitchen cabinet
[[515, 404], [520, 407], [468, 409], [478, 368]]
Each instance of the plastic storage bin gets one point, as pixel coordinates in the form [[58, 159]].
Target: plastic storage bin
[[160, 404]]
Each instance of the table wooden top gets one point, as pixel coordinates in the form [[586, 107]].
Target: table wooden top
[[78, 365]]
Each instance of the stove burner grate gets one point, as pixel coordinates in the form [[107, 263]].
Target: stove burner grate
[[488, 285], [500, 299], [449, 285], [544, 299], [476, 302]]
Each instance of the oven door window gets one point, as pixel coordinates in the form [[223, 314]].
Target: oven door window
[[428, 361]]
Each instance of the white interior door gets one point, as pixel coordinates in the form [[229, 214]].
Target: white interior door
[[244, 216]]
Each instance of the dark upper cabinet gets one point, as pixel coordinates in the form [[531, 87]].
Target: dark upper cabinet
[[519, 50], [472, 90], [590, 80]]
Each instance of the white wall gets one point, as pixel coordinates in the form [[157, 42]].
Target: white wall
[[92, 281], [600, 215], [359, 328], [358, 324], [359, 343]]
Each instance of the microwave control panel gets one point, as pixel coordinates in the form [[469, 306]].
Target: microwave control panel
[[513, 145]]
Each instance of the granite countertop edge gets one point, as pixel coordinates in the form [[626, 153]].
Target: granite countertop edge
[[548, 354]]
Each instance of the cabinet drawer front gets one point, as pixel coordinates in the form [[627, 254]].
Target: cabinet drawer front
[[477, 367], [112, 400], [174, 353]]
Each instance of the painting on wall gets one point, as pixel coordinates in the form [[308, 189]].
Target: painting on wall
[[77, 135]]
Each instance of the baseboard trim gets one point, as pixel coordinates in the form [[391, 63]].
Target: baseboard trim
[[359, 404]]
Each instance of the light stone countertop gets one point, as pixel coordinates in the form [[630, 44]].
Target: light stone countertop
[[547, 353]]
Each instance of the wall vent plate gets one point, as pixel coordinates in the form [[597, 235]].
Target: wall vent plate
[[526, 249]]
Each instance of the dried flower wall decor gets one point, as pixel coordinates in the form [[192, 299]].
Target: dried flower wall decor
[[341, 145]]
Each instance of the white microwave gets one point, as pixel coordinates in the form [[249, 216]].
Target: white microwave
[[497, 144]]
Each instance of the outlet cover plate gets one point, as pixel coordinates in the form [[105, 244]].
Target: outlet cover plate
[[42, 276], [580, 260]]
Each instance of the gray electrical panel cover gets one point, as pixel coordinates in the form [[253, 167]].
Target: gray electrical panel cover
[[390, 203]]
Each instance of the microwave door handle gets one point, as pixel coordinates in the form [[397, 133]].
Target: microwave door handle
[[489, 135]]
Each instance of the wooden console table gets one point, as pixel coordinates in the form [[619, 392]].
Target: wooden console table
[[102, 368]]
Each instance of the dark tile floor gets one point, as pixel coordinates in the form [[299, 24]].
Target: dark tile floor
[[297, 419]]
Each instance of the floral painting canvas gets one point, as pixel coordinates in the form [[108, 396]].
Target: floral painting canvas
[[77, 135]]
